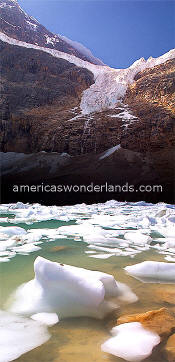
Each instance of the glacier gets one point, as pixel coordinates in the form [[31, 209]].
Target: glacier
[[110, 84]]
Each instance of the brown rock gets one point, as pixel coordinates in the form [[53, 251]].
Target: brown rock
[[58, 248], [151, 99], [170, 349], [161, 321]]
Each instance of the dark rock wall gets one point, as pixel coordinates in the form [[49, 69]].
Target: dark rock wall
[[37, 92]]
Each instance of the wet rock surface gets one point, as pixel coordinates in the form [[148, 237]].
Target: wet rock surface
[[170, 348], [161, 321]]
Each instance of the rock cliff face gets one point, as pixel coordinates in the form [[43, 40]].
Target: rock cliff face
[[122, 167], [41, 107], [38, 93], [152, 100]]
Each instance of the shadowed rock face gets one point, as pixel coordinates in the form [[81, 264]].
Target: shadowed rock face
[[19, 25], [123, 167], [38, 92]]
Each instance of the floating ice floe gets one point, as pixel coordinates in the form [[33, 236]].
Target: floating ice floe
[[136, 237], [156, 271], [49, 319], [12, 230], [19, 335], [129, 228], [131, 342], [4, 259], [101, 256], [169, 258], [27, 248], [68, 291]]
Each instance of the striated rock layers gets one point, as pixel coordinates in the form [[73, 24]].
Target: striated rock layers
[[40, 110], [38, 93]]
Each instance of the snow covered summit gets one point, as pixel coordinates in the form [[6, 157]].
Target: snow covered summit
[[16, 23]]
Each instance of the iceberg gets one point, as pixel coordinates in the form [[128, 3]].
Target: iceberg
[[68, 291], [157, 271], [131, 342]]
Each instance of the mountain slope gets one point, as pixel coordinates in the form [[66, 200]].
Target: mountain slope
[[104, 115], [15, 23]]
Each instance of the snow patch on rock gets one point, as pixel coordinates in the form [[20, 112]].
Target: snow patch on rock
[[109, 152]]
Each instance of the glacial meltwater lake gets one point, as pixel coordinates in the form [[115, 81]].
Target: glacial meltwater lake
[[100, 237]]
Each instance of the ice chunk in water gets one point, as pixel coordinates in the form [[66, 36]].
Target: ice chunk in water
[[138, 238], [19, 335], [154, 270], [131, 342], [66, 290], [12, 230], [46, 318]]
